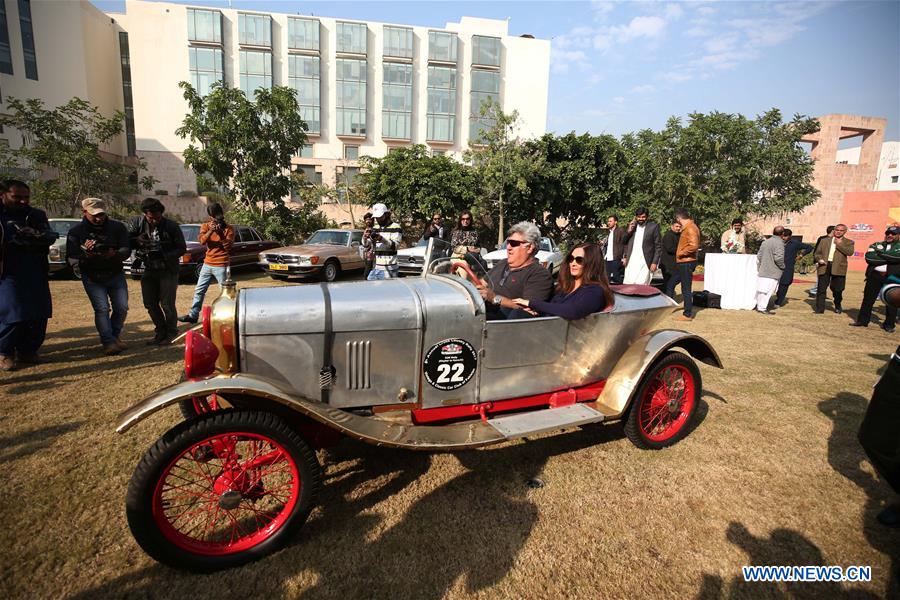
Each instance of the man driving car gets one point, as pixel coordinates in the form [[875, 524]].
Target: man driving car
[[519, 276]]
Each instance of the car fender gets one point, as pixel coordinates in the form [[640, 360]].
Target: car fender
[[372, 430], [625, 377]]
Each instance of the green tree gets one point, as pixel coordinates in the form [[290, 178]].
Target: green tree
[[503, 164], [721, 166], [414, 185], [244, 146], [62, 154], [577, 181]]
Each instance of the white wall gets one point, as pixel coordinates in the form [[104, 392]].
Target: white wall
[[889, 167]]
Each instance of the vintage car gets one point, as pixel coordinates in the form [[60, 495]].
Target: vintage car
[[549, 255], [274, 373], [57, 257], [247, 244], [327, 253]]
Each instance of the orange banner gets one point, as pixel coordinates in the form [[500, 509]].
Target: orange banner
[[867, 215]]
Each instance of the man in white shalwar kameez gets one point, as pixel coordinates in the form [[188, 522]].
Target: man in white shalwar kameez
[[643, 249]]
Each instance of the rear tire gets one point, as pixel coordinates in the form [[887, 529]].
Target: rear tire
[[331, 270], [222, 490], [665, 404]]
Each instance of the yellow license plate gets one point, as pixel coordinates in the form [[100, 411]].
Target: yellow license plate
[[278, 267]]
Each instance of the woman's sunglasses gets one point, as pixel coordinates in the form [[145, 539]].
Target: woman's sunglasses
[[578, 260]]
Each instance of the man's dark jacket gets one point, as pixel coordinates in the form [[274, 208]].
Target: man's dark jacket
[[651, 246], [24, 287], [669, 248], [444, 235], [111, 234], [170, 236], [618, 241], [791, 249]]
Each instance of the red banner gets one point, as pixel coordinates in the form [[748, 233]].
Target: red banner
[[867, 215]]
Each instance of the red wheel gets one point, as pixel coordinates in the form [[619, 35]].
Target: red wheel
[[665, 403], [222, 490], [198, 405]]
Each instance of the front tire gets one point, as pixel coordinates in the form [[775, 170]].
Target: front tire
[[331, 271], [222, 490], [665, 404]]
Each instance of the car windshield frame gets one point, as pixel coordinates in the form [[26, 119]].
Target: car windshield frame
[[195, 232], [546, 242], [329, 238]]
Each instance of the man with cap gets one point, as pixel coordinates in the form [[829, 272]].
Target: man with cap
[[385, 238], [159, 244], [25, 305], [883, 259], [98, 245]]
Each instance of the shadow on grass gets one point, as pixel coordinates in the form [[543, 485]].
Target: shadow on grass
[[365, 541], [28, 442], [783, 547], [846, 456], [709, 394]]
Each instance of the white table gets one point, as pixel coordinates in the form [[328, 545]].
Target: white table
[[732, 276]]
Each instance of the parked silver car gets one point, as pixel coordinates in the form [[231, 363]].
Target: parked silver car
[[406, 363], [59, 265]]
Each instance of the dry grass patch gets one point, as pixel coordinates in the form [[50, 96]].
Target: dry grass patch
[[771, 475]]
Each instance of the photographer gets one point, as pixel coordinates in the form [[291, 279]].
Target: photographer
[[158, 243], [385, 237], [98, 245], [25, 306], [368, 245], [218, 237]]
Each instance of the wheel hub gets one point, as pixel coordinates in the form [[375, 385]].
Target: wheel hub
[[230, 499], [673, 405]]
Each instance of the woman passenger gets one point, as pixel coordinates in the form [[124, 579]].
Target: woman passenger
[[582, 288], [465, 241]]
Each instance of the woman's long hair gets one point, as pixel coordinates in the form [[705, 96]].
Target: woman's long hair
[[459, 223], [593, 272]]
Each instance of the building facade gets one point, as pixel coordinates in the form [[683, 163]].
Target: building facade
[[363, 87]]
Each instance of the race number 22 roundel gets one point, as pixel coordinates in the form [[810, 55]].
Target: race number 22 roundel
[[450, 364]]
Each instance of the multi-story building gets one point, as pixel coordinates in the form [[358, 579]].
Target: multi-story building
[[363, 87]]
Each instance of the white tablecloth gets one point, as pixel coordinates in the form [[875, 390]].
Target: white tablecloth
[[732, 276]]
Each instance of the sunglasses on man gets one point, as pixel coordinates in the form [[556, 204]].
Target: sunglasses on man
[[515, 243]]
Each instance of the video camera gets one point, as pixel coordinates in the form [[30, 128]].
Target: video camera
[[31, 238], [101, 245], [150, 253]]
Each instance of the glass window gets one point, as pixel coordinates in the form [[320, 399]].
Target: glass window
[[242, 234], [396, 116], [441, 116], [351, 37], [355, 237], [255, 235], [5, 49], [349, 175], [256, 71], [31, 71], [442, 46], [398, 42], [485, 51], [485, 84], [309, 171], [351, 152], [303, 76], [206, 68], [303, 34], [128, 100], [255, 30], [351, 96], [306, 151], [204, 25]]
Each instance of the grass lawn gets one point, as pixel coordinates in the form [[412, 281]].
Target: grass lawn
[[772, 474]]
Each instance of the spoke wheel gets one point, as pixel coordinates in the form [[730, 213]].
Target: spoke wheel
[[221, 490], [665, 404]]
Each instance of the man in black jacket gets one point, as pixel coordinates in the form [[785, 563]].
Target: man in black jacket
[[643, 249], [159, 244], [98, 245], [793, 249], [437, 229], [614, 249], [667, 259], [25, 305]]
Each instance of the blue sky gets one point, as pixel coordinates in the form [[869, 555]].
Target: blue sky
[[623, 66]]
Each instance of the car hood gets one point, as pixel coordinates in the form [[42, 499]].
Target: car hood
[[309, 250], [417, 251]]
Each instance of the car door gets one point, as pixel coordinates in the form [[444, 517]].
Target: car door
[[243, 242], [353, 259]]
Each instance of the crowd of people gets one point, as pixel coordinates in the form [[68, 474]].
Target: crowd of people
[[516, 287]]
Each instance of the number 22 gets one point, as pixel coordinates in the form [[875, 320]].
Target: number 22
[[445, 370]]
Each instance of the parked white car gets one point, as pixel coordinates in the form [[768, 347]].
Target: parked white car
[[549, 256], [412, 259]]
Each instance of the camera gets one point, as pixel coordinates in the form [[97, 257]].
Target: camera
[[150, 252], [101, 246], [29, 237]]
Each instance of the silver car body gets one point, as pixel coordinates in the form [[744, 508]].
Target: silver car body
[[57, 256]]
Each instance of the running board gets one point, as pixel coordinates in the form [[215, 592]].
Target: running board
[[542, 421]]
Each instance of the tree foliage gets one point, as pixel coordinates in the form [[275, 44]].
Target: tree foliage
[[62, 152], [414, 185], [244, 146]]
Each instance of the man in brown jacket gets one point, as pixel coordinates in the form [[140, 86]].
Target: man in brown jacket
[[218, 236], [686, 260], [831, 266]]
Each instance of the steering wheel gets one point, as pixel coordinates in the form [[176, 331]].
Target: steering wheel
[[470, 275]]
